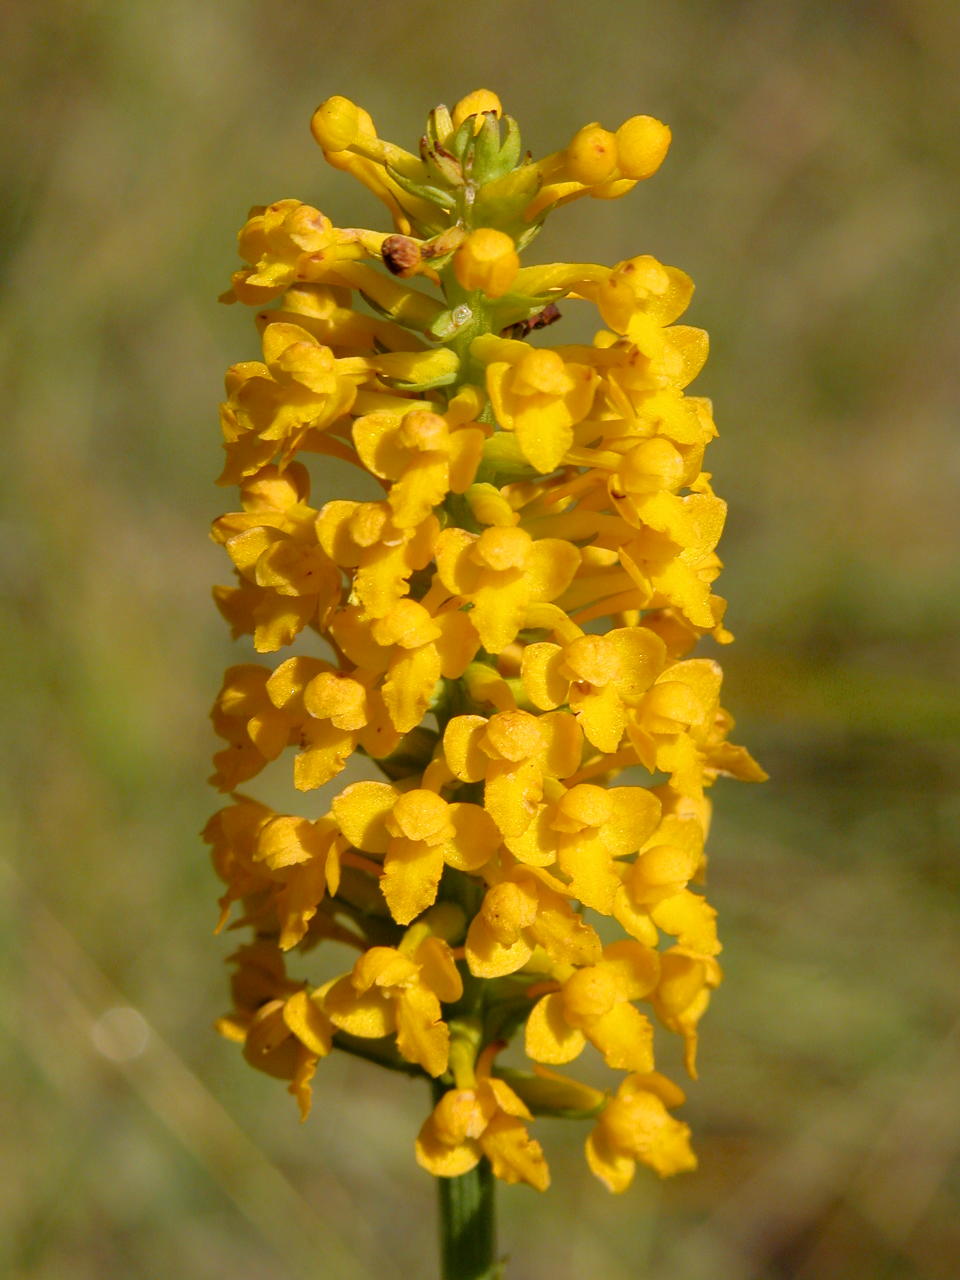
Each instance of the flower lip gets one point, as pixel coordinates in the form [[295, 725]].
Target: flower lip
[[512, 735], [420, 815], [502, 549], [592, 659]]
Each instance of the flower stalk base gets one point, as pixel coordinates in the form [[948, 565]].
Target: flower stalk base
[[468, 1236]]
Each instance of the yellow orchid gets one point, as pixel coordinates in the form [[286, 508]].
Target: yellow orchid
[[282, 242], [272, 406], [584, 829], [287, 579], [599, 677], [486, 1120], [334, 712], [418, 833], [636, 1126], [412, 647], [526, 908], [682, 995], [281, 1026], [511, 753], [398, 991], [595, 1004], [232, 835], [363, 537], [537, 395], [678, 727], [424, 455], [254, 729], [501, 572], [494, 617]]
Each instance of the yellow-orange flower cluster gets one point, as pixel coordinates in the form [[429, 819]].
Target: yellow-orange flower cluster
[[500, 641]]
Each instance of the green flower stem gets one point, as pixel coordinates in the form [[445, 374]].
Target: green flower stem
[[468, 1238]]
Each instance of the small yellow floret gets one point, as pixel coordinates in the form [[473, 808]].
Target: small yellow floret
[[336, 123], [591, 156], [486, 260], [642, 143]]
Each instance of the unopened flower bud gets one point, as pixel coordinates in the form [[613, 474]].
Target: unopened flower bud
[[486, 260]]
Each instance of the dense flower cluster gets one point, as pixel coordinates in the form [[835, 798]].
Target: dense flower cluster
[[495, 640]]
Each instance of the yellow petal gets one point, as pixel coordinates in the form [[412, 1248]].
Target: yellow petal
[[280, 619], [549, 1037], [544, 432], [458, 571], [512, 794], [411, 875], [635, 920], [438, 970], [325, 752], [601, 715], [614, 1169], [362, 810], [421, 1034], [564, 935], [369, 1015], [466, 450], [625, 1038], [409, 687], [499, 608], [458, 643], [636, 812], [488, 958], [563, 744], [690, 919], [441, 1159], [475, 840], [461, 748], [306, 1019], [636, 967], [537, 845], [543, 681], [513, 1154], [588, 865], [551, 567]]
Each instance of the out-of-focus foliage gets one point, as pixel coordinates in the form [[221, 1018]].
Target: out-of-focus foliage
[[812, 193]]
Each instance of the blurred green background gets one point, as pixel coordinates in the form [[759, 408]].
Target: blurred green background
[[812, 194]]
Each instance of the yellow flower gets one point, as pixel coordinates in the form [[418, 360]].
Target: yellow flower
[[487, 260], [363, 536], [398, 991], [501, 572], [418, 833], [483, 1116], [284, 1035], [636, 1126], [486, 1120], [282, 242], [333, 713], [511, 753], [254, 729], [682, 996], [595, 1004], [412, 647], [537, 395], [584, 829], [525, 908], [272, 406], [599, 677], [499, 612], [424, 454]]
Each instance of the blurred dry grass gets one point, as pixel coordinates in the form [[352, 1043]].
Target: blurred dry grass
[[812, 193]]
